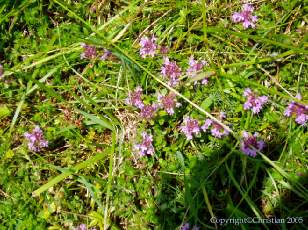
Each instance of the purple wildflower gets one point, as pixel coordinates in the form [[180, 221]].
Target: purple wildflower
[[171, 70], [148, 46], [36, 139], [89, 51], [207, 124], [81, 227], [106, 54], [204, 81], [134, 98], [190, 127], [148, 111], [185, 226], [299, 111], [168, 102], [146, 146], [250, 144], [254, 102], [245, 16], [195, 66], [216, 129]]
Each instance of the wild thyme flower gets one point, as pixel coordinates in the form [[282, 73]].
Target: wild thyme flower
[[204, 81], [171, 70], [146, 146], [148, 46], [148, 111], [297, 110], [190, 127], [186, 226], [245, 16], [216, 129], [134, 98], [106, 54], [250, 144], [168, 102], [89, 51], [36, 139], [254, 102], [83, 227], [195, 66]]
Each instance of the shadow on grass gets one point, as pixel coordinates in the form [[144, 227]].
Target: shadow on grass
[[233, 192]]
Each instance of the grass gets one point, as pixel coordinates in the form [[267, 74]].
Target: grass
[[90, 174]]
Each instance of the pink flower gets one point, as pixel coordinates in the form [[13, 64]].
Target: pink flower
[[190, 127], [107, 53], [171, 71], [216, 129], [134, 98], [297, 110], [89, 51], [254, 102], [36, 139], [250, 144], [148, 111], [168, 102], [148, 46], [245, 16], [146, 146], [195, 67]]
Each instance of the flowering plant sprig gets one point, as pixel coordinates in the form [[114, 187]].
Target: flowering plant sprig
[[254, 102], [250, 144], [146, 146], [245, 16], [36, 140]]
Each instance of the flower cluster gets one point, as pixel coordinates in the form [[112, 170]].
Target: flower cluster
[[134, 98], [186, 226], [89, 51], [148, 46], [297, 110], [250, 144], [83, 227], [148, 111], [216, 129], [245, 16], [146, 146], [254, 102], [195, 67], [171, 70], [36, 139], [168, 102], [190, 127], [106, 55]]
